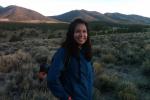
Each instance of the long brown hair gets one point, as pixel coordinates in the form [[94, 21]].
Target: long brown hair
[[71, 45]]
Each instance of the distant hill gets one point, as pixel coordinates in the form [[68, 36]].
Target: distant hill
[[87, 15], [16, 13], [123, 18], [1, 8], [107, 17]]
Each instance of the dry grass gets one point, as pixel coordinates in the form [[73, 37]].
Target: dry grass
[[98, 67], [120, 62], [14, 61], [127, 91], [20, 80]]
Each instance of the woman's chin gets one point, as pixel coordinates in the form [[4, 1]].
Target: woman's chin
[[81, 43]]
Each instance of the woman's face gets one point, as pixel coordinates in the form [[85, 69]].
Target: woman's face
[[80, 34]]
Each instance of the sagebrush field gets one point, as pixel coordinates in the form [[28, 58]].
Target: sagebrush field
[[121, 61]]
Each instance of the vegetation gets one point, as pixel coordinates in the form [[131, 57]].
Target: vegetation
[[12, 26], [121, 61], [109, 28]]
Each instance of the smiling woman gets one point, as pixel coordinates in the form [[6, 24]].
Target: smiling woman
[[74, 80], [80, 34]]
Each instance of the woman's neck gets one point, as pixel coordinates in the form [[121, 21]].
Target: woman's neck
[[80, 47]]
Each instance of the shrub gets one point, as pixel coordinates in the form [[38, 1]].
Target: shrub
[[40, 53], [98, 67], [106, 83], [146, 97], [97, 51], [15, 38], [14, 61], [146, 67], [109, 58], [96, 94], [127, 91]]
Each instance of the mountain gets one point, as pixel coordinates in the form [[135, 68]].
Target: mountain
[[16, 13], [122, 18], [1, 7], [107, 17], [87, 15]]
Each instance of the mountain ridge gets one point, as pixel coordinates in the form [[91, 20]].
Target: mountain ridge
[[20, 14], [106, 17], [130, 18], [16, 13]]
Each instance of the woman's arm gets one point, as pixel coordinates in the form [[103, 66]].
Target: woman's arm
[[54, 73]]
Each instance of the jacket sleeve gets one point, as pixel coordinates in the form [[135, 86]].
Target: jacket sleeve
[[53, 76]]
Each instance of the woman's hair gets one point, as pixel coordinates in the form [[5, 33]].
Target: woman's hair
[[71, 45]]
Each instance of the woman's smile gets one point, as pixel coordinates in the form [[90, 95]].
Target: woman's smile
[[80, 34]]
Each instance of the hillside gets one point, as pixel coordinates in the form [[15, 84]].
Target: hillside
[[16, 13], [107, 17], [1, 7], [87, 15], [122, 18]]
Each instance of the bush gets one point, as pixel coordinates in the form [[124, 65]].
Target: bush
[[127, 91], [15, 38], [146, 67], [106, 83], [14, 61], [96, 94], [40, 53], [109, 58], [97, 51], [98, 67]]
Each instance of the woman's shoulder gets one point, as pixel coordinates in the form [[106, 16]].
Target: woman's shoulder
[[60, 51]]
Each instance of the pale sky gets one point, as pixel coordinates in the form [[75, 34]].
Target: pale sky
[[56, 7]]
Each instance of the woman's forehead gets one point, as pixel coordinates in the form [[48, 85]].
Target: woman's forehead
[[78, 26]]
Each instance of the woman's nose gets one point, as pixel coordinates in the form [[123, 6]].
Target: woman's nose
[[81, 34]]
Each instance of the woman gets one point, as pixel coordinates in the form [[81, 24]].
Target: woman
[[77, 82]]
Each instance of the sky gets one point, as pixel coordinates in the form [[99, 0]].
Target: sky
[[56, 7]]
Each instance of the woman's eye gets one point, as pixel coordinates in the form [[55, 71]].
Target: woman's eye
[[78, 31], [84, 31]]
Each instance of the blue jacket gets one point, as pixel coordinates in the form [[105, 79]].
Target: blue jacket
[[78, 81]]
